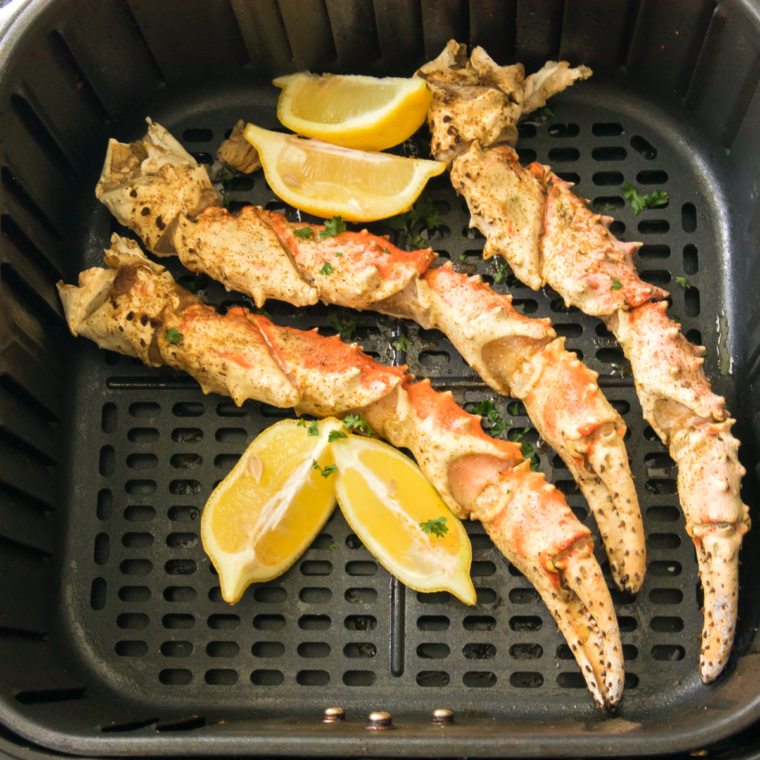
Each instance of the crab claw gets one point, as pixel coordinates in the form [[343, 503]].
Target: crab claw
[[530, 522], [587, 433], [709, 477]]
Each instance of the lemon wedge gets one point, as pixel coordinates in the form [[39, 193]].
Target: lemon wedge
[[353, 111], [401, 518], [329, 180], [262, 517]]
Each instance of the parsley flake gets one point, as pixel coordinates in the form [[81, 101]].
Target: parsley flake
[[174, 335], [326, 471], [487, 410], [303, 232], [332, 547], [682, 282], [676, 318], [435, 527], [338, 254], [546, 111], [463, 257], [313, 428], [335, 226], [385, 250], [502, 272], [463, 237], [344, 326], [335, 435], [424, 215], [263, 313], [640, 202], [358, 423], [616, 284], [514, 409], [404, 344], [326, 268]]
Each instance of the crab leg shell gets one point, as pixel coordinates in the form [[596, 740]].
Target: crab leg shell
[[680, 405]]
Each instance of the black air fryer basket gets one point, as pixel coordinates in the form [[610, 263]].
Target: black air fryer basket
[[114, 639]]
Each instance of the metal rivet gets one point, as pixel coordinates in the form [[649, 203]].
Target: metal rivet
[[380, 721], [442, 717], [333, 715]]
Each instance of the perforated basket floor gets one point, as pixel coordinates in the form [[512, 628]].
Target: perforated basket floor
[[145, 608]]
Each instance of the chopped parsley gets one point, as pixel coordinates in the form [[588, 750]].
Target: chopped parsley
[[676, 318], [263, 313], [338, 254], [195, 284], [526, 449], [325, 471], [404, 344], [640, 202], [435, 527], [226, 200], [334, 227], [607, 207], [487, 409], [704, 352], [313, 426], [335, 435], [502, 272], [303, 232], [546, 111], [174, 335], [326, 268], [616, 284], [331, 547], [357, 422], [424, 215], [514, 409], [345, 327], [463, 257], [385, 250], [682, 282], [463, 237]]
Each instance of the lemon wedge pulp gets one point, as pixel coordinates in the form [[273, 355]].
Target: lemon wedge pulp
[[329, 180], [354, 111], [401, 518], [266, 512]]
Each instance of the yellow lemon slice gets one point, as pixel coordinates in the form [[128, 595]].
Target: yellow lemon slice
[[353, 111], [401, 518], [262, 517], [328, 180]]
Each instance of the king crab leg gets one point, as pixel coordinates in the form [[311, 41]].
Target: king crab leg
[[550, 236]]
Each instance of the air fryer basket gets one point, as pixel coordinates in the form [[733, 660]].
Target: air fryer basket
[[115, 639]]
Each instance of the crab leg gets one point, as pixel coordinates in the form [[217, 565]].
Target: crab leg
[[264, 255], [549, 236], [135, 307]]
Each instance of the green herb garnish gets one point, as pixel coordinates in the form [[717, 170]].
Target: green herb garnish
[[435, 527], [335, 226], [487, 409], [313, 428], [174, 335], [676, 318], [502, 272], [326, 268], [640, 202], [424, 215], [303, 232], [263, 312], [616, 284], [357, 422], [546, 111], [682, 282], [345, 327], [404, 344], [338, 254], [326, 471], [335, 435]]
